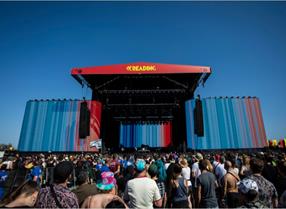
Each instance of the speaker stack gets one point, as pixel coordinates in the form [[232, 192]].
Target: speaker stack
[[198, 118], [84, 120]]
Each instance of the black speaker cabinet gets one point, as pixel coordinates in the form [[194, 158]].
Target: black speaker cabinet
[[84, 120], [198, 118]]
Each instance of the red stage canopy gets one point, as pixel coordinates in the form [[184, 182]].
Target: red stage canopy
[[140, 68]]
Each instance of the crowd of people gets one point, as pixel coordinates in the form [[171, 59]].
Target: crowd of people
[[144, 180]]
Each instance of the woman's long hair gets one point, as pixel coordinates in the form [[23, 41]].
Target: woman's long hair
[[162, 175], [172, 172]]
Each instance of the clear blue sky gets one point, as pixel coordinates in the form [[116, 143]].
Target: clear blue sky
[[243, 42]]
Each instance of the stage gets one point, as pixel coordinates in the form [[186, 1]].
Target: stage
[[139, 104]]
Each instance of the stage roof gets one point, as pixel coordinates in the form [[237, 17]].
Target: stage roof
[[140, 68], [142, 90], [88, 75]]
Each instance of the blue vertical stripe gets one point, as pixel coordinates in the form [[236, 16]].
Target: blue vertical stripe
[[134, 135], [50, 126], [227, 124]]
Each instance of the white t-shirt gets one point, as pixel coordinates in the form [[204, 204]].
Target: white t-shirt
[[219, 170], [167, 165], [9, 164], [196, 171], [141, 192], [186, 173]]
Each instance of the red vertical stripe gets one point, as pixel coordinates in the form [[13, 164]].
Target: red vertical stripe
[[67, 147], [254, 120], [76, 144], [90, 137], [95, 118], [261, 140], [162, 135], [168, 134], [261, 124], [251, 125]]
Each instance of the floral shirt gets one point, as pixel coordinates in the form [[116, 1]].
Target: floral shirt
[[266, 190], [66, 198]]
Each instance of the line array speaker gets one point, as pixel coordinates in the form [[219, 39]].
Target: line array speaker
[[198, 118], [84, 120]]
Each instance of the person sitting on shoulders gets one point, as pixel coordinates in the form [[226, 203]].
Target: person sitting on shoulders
[[107, 197]]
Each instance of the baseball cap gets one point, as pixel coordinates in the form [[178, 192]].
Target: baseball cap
[[107, 181], [140, 165], [246, 185]]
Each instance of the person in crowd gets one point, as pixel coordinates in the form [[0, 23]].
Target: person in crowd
[[267, 192], [210, 166], [274, 171], [24, 196], [233, 159], [129, 173], [114, 165], [195, 172], [206, 185], [8, 161], [245, 168], [169, 177], [195, 169], [169, 161], [177, 192], [162, 175], [123, 162], [270, 171], [36, 172], [108, 195], [84, 189], [282, 200], [218, 167], [101, 166], [104, 201], [142, 192], [3, 178], [281, 179], [248, 190], [107, 183], [186, 171], [154, 173], [57, 195], [219, 171], [230, 191]]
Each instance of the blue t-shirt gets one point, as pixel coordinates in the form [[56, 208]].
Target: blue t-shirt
[[123, 163], [102, 168], [98, 166], [36, 171], [3, 178]]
